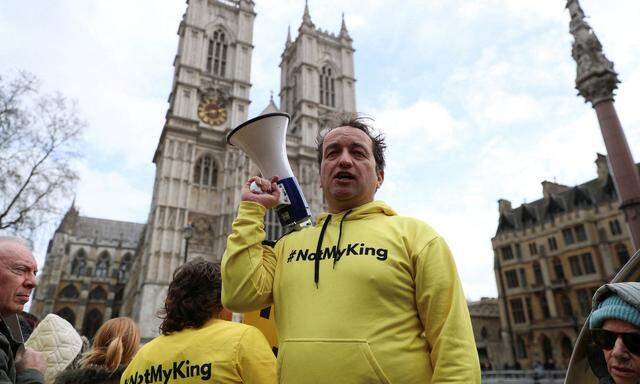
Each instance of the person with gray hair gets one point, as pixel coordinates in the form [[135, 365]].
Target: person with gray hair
[[614, 326], [18, 270]]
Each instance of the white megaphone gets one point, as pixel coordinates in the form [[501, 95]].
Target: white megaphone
[[264, 140]]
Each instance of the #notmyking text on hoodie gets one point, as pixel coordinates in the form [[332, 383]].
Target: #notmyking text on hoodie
[[353, 249], [164, 374]]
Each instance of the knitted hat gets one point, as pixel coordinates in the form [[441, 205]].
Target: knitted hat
[[613, 307]]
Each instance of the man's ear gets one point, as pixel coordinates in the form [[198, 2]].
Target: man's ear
[[380, 178]]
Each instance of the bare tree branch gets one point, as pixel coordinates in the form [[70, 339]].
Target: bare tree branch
[[39, 137]]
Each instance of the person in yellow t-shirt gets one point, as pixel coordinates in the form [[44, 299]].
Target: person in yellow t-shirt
[[195, 345]]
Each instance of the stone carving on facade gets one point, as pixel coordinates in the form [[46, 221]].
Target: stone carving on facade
[[204, 230], [596, 79], [215, 91]]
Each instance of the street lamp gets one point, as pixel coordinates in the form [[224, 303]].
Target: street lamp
[[187, 233]]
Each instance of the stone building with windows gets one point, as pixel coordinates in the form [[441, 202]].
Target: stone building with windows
[[493, 348], [86, 268], [550, 256]]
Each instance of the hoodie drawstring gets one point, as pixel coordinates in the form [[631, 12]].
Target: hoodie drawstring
[[316, 272], [338, 255]]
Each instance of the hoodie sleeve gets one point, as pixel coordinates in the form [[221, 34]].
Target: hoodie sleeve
[[256, 361], [445, 316], [248, 267]]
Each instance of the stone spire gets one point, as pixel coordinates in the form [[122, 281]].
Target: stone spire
[[344, 33], [271, 107], [595, 78], [306, 17], [288, 42], [68, 223]]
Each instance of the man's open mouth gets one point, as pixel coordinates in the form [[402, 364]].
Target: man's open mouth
[[344, 176]]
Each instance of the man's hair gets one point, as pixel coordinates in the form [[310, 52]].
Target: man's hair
[[194, 296], [378, 144], [115, 344], [16, 240]]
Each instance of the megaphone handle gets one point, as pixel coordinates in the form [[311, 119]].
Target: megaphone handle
[[284, 199]]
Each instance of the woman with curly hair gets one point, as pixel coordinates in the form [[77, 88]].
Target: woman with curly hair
[[195, 345], [114, 345]]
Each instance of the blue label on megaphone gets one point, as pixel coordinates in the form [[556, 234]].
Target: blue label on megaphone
[[297, 210]]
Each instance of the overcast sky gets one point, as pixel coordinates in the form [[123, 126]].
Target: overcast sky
[[476, 98]]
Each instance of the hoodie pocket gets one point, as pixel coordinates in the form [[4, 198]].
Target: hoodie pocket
[[348, 361]]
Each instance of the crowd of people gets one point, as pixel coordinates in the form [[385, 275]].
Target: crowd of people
[[363, 296], [194, 343]]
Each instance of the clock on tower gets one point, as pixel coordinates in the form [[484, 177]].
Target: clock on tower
[[212, 112]]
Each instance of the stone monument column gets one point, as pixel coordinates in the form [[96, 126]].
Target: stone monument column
[[596, 81]]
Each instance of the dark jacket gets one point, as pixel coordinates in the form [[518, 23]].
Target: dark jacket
[[91, 374], [8, 348]]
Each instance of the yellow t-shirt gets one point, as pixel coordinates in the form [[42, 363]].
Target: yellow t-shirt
[[218, 352]]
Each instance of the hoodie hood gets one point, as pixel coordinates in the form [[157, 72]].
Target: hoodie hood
[[627, 291], [371, 208]]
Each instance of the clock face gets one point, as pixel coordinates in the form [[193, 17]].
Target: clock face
[[212, 112]]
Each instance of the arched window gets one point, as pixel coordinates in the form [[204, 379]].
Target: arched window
[[70, 292], [92, 321], [327, 87], [623, 254], [119, 294], [217, 54], [205, 173], [67, 314], [79, 264], [125, 265], [98, 293], [102, 267], [537, 273], [547, 350], [567, 308], [557, 267], [521, 348], [484, 333], [566, 347]]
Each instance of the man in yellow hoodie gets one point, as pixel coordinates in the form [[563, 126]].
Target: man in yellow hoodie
[[365, 295]]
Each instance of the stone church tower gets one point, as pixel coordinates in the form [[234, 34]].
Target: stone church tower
[[198, 176], [317, 80]]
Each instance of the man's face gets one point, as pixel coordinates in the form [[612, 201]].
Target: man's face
[[348, 174], [623, 366], [17, 276]]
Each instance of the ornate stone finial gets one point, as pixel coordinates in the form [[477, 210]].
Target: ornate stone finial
[[595, 78], [288, 42], [343, 29], [306, 17], [271, 97]]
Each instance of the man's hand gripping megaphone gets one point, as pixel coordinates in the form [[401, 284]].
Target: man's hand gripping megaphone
[[262, 191]]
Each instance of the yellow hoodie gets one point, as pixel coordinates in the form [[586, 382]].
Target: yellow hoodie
[[385, 306], [219, 352]]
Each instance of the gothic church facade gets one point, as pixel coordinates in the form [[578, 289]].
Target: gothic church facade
[[198, 175]]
